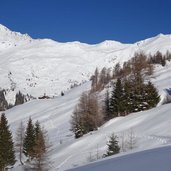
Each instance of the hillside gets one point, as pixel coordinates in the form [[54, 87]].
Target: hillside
[[151, 128], [150, 160], [43, 66]]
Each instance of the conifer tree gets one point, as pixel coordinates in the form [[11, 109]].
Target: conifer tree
[[77, 123], [116, 101], [3, 102], [107, 110], [152, 96], [127, 98], [113, 147], [19, 98], [29, 140], [7, 154]]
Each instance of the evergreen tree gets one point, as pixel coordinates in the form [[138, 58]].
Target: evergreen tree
[[76, 123], [152, 97], [113, 147], [19, 98], [7, 154], [107, 110], [116, 101], [127, 98], [29, 140], [3, 102]]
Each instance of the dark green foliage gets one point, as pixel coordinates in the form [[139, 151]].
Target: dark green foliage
[[113, 147], [152, 96], [77, 124], [128, 97], [3, 102], [132, 97], [7, 155], [29, 140], [116, 102], [107, 111], [19, 98]]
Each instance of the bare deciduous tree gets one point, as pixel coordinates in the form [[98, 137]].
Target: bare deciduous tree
[[19, 141], [131, 139]]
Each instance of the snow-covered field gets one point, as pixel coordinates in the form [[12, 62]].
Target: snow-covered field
[[45, 66], [149, 160]]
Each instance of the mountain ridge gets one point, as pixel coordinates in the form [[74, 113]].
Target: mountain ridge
[[44, 66]]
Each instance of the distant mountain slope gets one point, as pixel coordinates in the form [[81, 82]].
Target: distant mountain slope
[[43, 66]]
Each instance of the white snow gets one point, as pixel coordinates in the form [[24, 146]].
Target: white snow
[[43, 66], [46, 66], [149, 160], [151, 128]]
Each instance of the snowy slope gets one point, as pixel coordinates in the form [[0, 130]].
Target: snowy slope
[[43, 66], [151, 128], [150, 160]]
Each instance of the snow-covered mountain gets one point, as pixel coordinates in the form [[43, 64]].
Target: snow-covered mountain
[[37, 66], [43, 66], [151, 129]]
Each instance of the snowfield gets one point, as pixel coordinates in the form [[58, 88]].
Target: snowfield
[[151, 128], [149, 160], [45, 66]]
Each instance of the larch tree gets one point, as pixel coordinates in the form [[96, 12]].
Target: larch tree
[[40, 148], [19, 141], [86, 116]]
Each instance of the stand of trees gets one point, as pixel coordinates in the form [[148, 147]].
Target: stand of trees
[[3, 102], [129, 96], [140, 63], [32, 143], [19, 99], [7, 154], [35, 145], [131, 93], [86, 116]]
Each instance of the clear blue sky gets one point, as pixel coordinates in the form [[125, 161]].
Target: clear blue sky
[[89, 21]]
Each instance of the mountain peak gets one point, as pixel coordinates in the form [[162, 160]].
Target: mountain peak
[[11, 38], [3, 28]]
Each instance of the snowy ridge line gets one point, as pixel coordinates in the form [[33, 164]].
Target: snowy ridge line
[[44, 66]]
